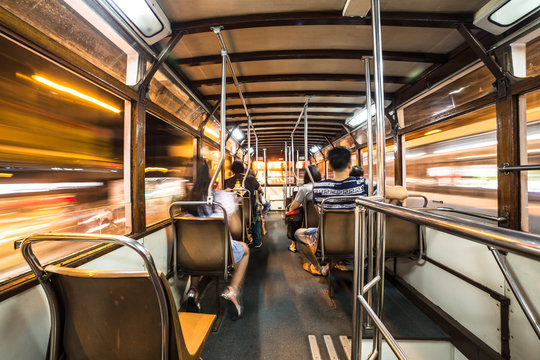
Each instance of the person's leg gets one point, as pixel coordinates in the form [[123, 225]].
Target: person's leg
[[307, 243], [232, 293], [240, 268]]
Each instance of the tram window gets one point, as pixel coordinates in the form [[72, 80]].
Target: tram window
[[471, 86], [211, 154], [532, 55], [532, 101], [64, 25], [456, 162], [170, 97], [61, 156], [169, 167]]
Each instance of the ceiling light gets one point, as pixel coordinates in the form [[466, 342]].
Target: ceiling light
[[314, 149], [145, 16], [237, 134], [211, 132], [433, 132], [512, 11], [74, 92], [361, 117]]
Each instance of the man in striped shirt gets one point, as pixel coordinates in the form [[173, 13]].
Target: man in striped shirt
[[341, 185]]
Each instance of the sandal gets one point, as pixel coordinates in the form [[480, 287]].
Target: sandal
[[234, 299], [292, 247], [310, 268]]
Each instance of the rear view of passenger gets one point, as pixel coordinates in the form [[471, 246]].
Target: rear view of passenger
[[240, 250]]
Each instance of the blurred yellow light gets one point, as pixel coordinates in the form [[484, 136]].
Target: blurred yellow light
[[75, 93], [211, 132], [160, 169], [6, 175], [433, 132]]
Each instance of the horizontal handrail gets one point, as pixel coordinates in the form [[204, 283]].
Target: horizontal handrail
[[495, 238], [506, 168], [516, 242], [468, 213]]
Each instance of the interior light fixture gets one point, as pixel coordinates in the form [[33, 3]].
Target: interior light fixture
[[498, 16], [433, 132], [314, 149], [74, 92], [145, 16], [237, 134], [361, 117], [211, 132], [512, 11]]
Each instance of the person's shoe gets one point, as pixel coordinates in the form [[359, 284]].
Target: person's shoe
[[192, 303], [292, 247], [310, 268], [341, 266], [325, 269], [234, 299], [258, 245]]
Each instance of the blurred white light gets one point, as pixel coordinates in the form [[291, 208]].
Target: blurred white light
[[413, 155], [457, 91], [39, 187], [141, 15], [466, 147], [237, 134], [314, 149]]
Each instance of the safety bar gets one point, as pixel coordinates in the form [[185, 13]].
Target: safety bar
[[469, 213], [226, 235], [506, 168], [495, 238], [419, 196], [42, 276]]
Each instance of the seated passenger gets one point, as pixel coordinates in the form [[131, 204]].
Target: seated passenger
[[251, 184], [305, 192], [240, 250], [357, 171], [341, 185]]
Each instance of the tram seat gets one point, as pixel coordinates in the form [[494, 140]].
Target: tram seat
[[246, 206], [311, 214], [200, 246], [337, 238], [402, 237], [108, 314]]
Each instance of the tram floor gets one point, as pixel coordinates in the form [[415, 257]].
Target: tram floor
[[284, 304]]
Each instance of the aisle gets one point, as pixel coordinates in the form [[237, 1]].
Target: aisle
[[285, 306]]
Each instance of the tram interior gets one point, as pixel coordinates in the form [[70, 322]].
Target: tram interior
[[108, 108]]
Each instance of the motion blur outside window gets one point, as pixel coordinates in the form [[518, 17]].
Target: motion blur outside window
[[169, 167], [532, 101], [61, 157], [211, 155], [455, 163]]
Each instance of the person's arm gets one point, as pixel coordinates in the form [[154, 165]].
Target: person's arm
[[294, 205], [396, 193]]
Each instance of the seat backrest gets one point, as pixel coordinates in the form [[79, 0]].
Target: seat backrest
[[246, 205], [311, 215], [200, 247], [402, 237], [337, 232], [112, 315]]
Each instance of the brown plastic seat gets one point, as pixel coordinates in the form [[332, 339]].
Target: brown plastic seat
[[202, 246], [311, 215], [402, 237], [103, 314]]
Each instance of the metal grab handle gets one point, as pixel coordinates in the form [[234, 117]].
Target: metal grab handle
[[41, 275], [420, 196], [175, 234]]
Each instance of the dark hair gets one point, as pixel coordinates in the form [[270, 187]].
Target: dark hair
[[199, 191], [339, 158], [356, 171], [237, 167], [315, 173]]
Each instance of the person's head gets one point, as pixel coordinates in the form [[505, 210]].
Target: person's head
[[252, 173], [339, 158], [237, 167], [315, 173], [356, 171]]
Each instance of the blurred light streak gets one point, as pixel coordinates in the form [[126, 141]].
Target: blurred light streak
[[118, 221], [433, 132], [413, 155], [75, 93], [476, 156], [5, 175], [160, 169], [211, 132], [38, 187], [52, 153], [466, 147], [97, 228]]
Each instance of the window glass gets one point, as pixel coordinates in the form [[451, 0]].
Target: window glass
[[471, 86], [211, 155], [61, 156], [389, 164], [532, 56], [169, 167], [455, 164], [533, 157]]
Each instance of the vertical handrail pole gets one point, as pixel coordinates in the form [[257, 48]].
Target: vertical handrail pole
[[381, 191], [360, 235], [369, 133], [292, 153], [248, 152], [265, 169], [223, 119], [296, 168], [285, 182], [306, 150]]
